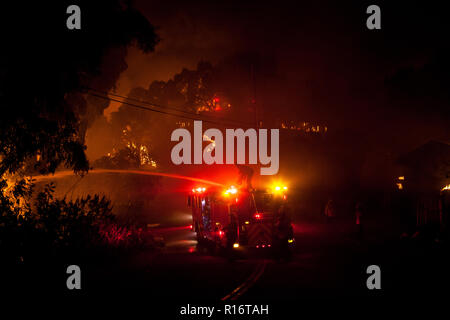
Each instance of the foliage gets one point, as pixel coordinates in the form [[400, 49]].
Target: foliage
[[44, 70], [118, 236], [190, 91], [70, 222], [32, 228], [125, 158]]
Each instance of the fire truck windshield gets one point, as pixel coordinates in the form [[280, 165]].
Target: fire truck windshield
[[263, 201]]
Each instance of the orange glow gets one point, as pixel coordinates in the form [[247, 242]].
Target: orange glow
[[199, 190], [279, 188], [447, 187], [231, 190]]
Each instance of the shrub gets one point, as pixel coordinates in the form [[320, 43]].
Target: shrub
[[32, 229]]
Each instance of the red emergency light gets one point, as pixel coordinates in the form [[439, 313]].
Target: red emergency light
[[257, 216]]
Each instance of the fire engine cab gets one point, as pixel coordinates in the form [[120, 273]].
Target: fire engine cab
[[241, 218]]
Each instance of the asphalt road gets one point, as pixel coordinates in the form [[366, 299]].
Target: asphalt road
[[183, 272], [329, 262]]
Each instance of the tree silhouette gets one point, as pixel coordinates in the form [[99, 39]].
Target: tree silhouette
[[44, 69]]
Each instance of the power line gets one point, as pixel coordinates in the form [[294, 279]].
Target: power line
[[165, 107], [159, 111], [138, 100]]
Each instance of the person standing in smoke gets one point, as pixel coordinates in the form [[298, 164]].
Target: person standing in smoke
[[283, 232], [330, 211]]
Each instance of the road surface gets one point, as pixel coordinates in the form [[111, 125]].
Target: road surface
[[329, 261]]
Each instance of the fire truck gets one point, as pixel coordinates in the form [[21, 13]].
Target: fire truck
[[237, 219]]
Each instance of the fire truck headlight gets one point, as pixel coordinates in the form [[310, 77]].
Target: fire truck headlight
[[236, 245], [279, 188], [291, 240]]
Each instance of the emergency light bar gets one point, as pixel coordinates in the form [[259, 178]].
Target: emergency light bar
[[231, 190], [279, 188]]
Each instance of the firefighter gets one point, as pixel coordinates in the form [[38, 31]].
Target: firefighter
[[283, 232], [231, 235], [330, 211]]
